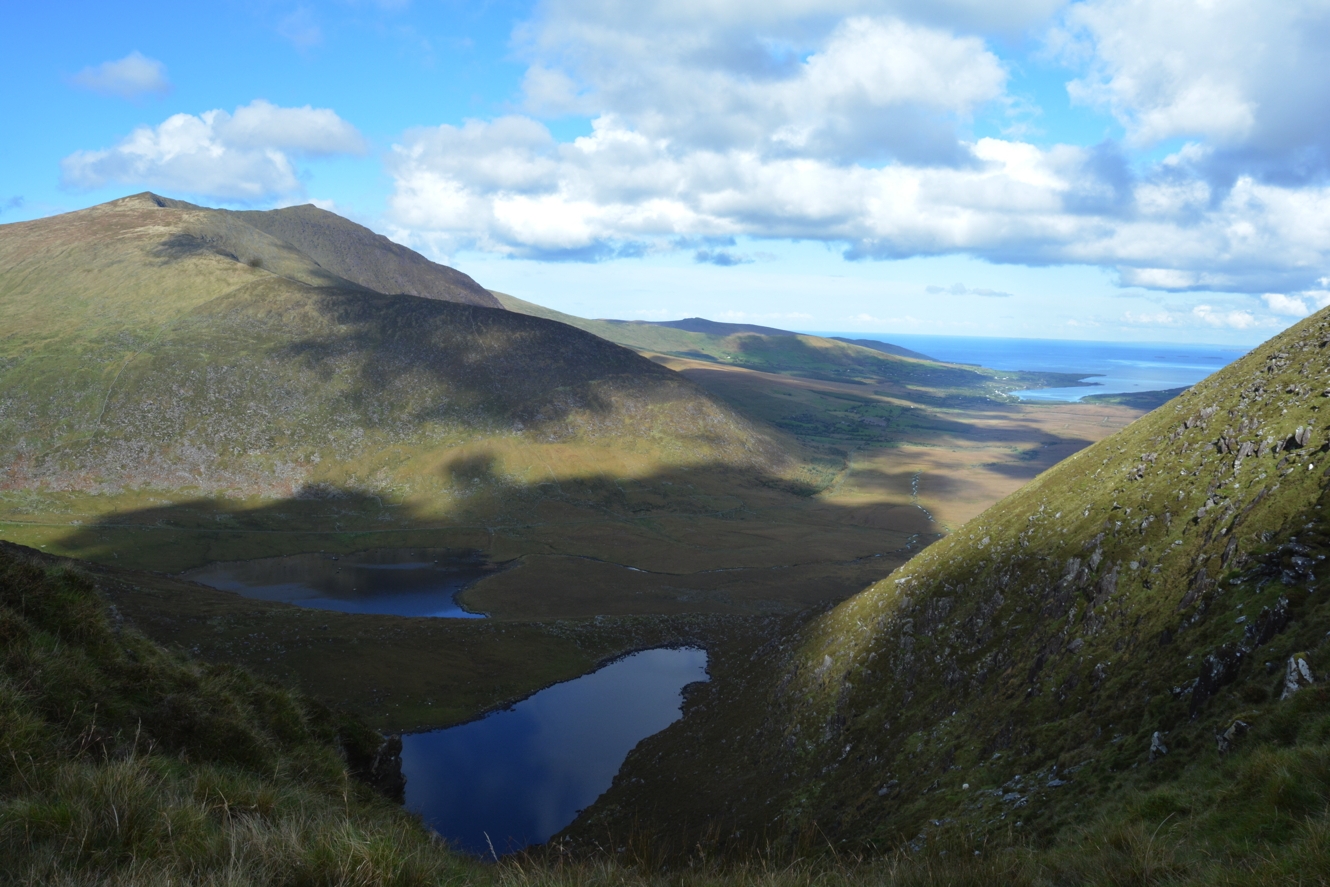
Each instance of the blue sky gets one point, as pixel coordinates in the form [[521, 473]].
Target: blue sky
[[1105, 169]]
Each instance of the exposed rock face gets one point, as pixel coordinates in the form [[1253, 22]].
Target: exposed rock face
[[1157, 747], [1270, 622], [1297, 675], [1228, 740]]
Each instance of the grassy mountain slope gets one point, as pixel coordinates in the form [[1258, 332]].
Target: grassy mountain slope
[[779, 351], [152, 349], [1007, 684], [716, 328], [125, 764], [883, 347], [357, 254]]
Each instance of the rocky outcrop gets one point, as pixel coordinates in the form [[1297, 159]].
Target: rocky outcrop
[[1297, 675]]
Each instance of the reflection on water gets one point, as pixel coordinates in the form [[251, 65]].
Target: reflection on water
[[518, 776], [386, 581]]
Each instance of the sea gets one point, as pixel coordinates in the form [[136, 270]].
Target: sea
[[1109, 367]]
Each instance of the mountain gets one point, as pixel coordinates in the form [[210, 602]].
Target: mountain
[[1118, 657], [154, 352], [715, 328], [766, 349], [355, 253], [884, 347]]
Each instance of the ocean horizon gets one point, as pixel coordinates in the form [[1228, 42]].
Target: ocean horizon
[[1106, 367]]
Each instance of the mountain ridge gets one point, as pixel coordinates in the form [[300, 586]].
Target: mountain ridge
[[153, 345], [1082, 641]]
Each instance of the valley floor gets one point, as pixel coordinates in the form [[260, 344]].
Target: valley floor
[[694, 557]]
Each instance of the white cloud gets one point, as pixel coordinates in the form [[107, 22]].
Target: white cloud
[[776, 78], [1244, 76], [1238, 320], [844, 122], [131, 77], [509, 187], [1286, 305], [312, 131], [240, 156]]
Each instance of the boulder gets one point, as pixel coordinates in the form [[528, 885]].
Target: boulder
[[1297, 675], [1157, 747], [1228, 740]]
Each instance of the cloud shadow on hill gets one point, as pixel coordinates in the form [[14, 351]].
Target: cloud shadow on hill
[[708, 539]]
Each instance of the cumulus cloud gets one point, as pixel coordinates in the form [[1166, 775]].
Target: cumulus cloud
[[798, 82], [241, 156], [1278, 303], [846, 122], [313, 131], [1204, 316], [1239, 76], [510, 187], [1238, 320], [131, 77]]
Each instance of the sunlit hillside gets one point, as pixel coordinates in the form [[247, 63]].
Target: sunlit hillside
[[159, 353], [1125, 646]]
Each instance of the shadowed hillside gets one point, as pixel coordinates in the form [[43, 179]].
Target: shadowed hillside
[[166, 349], [1121, 645], [357, 254]]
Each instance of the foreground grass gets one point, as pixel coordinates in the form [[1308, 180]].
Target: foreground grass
[[123, 764]]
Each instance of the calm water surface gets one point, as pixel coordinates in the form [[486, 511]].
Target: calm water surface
[[1112, 367], [518, 776], [387, 581]]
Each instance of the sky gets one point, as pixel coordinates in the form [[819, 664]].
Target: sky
[[1107, 169]]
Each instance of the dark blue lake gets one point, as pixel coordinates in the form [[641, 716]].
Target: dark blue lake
[[386, 581], [516, 777], [1113, 367]]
